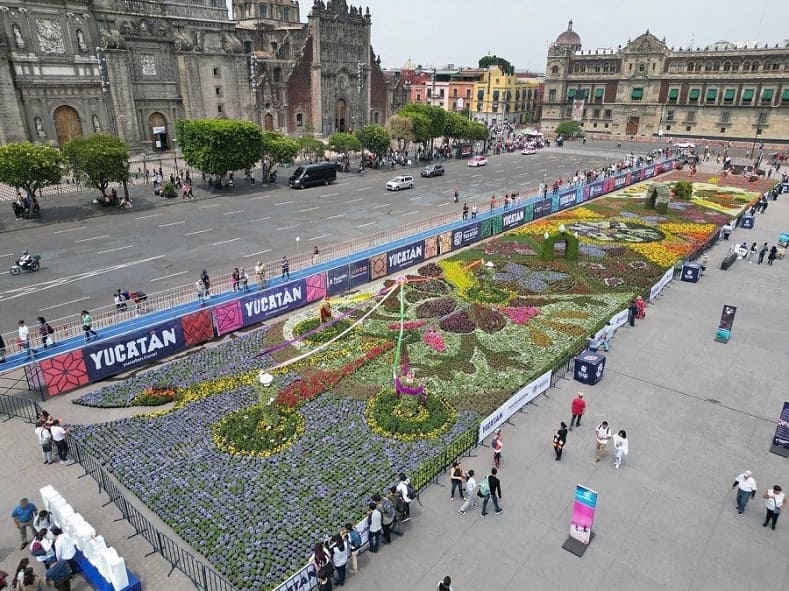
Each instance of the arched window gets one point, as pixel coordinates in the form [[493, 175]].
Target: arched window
[[690, 66], [754, 66], [708, 67], [554, 70], [642, 67], [746, 66], [726, 66]]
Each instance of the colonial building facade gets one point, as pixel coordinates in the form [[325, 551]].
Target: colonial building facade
[[723, 91], [133, 67]]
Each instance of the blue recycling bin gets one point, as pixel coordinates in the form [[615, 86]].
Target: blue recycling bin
[[748, 222], [691, 272], [589, 367]]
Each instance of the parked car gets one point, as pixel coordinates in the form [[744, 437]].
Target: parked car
[[400, 182], [478, 161], [527, 151], [432, 170], [310, 175]]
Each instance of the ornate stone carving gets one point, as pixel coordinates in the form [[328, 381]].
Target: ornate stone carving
[[81, 41], [148, 64], [50, 36], [112, 39], [182, 41], [18, 39], [40, 131], [231, 43]]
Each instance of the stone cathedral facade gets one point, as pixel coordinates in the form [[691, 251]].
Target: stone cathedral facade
[[70, 68]]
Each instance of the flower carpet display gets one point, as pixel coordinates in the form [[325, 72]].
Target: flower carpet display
[[397, 380]]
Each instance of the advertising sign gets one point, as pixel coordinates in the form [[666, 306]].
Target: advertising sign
[[727, 317], [339, 279], [781, 437], [517, 401], [620, 181], [648, 172], [542, 208], [583, 513], [513, 219], [595, 190], [466, 235], [405, 256], [567, 200], [668, 276], [107, 358], [273, 302], [578, 110]]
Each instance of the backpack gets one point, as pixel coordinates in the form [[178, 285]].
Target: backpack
[[387, 509], [50, 330], [355, 539], [37, 549], [484, 487], [410, 490]]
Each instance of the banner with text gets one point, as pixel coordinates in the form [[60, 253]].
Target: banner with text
[[667, 278], [566, 200], [583, 513], [346, 277], [517, 401], [513, 219], [405, 256], [781, 437], [466, 235], [542, 208]]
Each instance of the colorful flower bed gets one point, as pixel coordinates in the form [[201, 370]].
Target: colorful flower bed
[[475, 327]]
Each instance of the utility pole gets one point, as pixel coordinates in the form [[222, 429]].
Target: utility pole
[[104, 75]]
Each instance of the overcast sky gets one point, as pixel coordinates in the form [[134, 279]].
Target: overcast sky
[[459, 32]]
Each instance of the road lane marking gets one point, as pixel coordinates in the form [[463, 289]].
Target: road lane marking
[[114, 249], [306, 209], [475, 175], [8, 254], [354, 200], [364, 189], [233, 212], [268, 217], [226, 241], [199, 232], [288, 227], [70, 230], [367, 224], [381, 205], [207, 206], [258, 197], [172, 224], [498, 171], [443, 204], [254, 254], [319, 237], [94, 238], [283, 203], [64, 304], [169, 276], [330, 195], [415, 198], [145, 217], [334, 217], [409, 213]]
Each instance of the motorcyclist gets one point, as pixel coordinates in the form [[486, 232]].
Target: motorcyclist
[[25, 261]]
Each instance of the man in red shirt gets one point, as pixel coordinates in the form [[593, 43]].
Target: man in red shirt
[[577, 408]]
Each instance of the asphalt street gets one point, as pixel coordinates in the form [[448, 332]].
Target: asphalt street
[[152, 250]]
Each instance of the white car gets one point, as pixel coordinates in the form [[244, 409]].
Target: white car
[[528, 151], [400, 182], [478, 161]]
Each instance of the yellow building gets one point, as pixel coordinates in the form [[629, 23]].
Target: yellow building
[[500, 97]]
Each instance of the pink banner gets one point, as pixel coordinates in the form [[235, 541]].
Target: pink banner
[[583, 513]]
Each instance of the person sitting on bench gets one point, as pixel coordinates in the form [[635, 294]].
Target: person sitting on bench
[[19, 208]]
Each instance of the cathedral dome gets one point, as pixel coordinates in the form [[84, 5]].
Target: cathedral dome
[[569, 38]]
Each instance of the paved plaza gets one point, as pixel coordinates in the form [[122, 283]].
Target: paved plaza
[[697, 413]]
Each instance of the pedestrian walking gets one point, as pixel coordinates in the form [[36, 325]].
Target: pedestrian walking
[[206, 284], [471, 488], [243, 279], [235, 277], [445, 584], [465, 211], [260, 274], [632, 311], [491, 492], [456, 478], [577, 408], [746, 489], [752, 252], [726, 230], [45, 331], [602, 435], [457, 195], [59, 439], [87, 326], [22, 516], [24, 339], [621, 448], [763, 251], [497, 444], [492, 203], [608, 334], [773, 255], [200, 289], [559, 439], [474, 210], [285, 269], [315, 254], [375, 526], [774, 503]]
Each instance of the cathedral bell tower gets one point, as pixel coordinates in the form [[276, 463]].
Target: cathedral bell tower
[[266, 13]]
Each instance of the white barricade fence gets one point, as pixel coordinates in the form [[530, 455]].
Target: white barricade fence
[[668, 276], [106, 560], [522, 397]]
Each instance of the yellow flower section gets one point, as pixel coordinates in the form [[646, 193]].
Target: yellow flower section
[[578, 213], [538, 228], [656, 252], [369, 415], [458, 275], [732, 211], [686, 228], [224, 445]]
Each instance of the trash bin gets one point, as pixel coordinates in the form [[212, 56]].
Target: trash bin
[[691, 272], [747, 222], [589, 368]]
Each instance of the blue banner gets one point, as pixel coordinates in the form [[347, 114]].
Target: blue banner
[[566, 200], [136, 349], [542, 208], [405, 256], [346, 277], [514, 218], [648, 173], [596, 189], [466, 235], [360, 272], [273, 301], [620, 181]]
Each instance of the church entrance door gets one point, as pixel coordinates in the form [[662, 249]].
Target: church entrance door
[[67, 124], [158, 126], [340, 115], [268, 122]]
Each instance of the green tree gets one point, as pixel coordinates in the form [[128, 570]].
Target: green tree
[[98, 160], [217, 146], [683, 189], [310, 147], [30, 166], [375, 138], [436, 118], [494, 60], [456, 126], [344, 143], [277, 147], [420, 123], [477, 132], [569, 129], [401, 129]]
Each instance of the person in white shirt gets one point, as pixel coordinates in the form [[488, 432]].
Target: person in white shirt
[[775, 502], [24, 338], [746, 489], [602, 435], [65, 548], [45, 440], [59, 438], [471, 487], [402, 488], [621, 448], [43, 520]]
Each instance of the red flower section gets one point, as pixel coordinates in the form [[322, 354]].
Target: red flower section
[[198, 328], [303, 390], [65, 372]]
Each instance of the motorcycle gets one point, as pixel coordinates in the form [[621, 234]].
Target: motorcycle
[[33, 265]]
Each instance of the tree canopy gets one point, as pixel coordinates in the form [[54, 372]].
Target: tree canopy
[[30, 166], [98, 160], [310, 147], [217, 146], [477, 131], [401, 128], [457, 126], [569, 129], [436, 118], [494, 60], [375, 138], [277, 147], [344, 142]]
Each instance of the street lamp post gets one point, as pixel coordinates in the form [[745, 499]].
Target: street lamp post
[[759, 121]]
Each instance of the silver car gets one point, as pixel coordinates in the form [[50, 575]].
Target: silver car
[[400, 182]]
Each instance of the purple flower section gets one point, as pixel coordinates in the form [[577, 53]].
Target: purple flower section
[[591, 250], [536, 281], [256, 519], [233, 357]]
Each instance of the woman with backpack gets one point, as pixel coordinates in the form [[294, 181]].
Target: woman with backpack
[[354, 540], [339, 556], [45, 332]]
